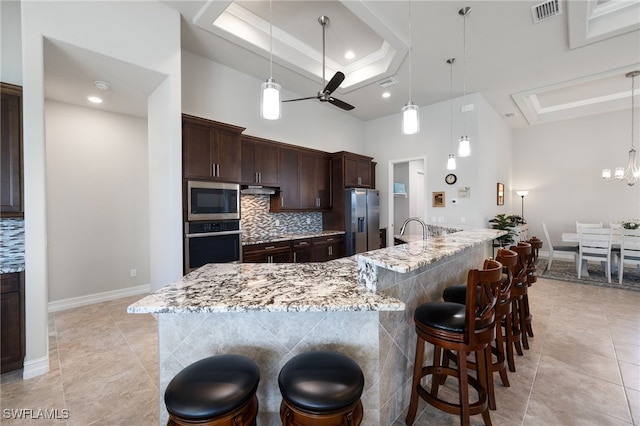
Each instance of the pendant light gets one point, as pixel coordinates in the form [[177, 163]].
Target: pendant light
[[631, 173], [410, 112], [451, 162], [270, 90], [464, 145]]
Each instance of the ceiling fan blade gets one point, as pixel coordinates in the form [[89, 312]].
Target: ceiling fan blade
[[333, 84], [340, 104], [301, 99]]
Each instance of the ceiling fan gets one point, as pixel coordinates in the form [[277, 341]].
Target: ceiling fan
[[333, 84]]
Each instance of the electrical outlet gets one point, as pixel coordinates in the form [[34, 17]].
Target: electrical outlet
[[308, 221], [133, 273], [277, 222]]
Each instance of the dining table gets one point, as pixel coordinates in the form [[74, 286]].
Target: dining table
[[572, 237]]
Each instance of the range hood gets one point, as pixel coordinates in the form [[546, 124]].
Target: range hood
[[257, 190]]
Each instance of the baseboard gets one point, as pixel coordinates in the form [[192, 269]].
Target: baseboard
[[74, 302], [35, 367]]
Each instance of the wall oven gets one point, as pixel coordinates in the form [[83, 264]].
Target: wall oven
[[212, 242], [212, 201]]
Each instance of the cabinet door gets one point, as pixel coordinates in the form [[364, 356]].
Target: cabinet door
[[11, 151], [268, 161], [308, 191], [249, 166], [328, 248], [196, 145], [323, 180], [226, 156], [267, 253], [10, 337], [357, 172], [289, 197], [302, 251]]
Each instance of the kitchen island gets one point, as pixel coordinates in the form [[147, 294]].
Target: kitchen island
[[361, 306]]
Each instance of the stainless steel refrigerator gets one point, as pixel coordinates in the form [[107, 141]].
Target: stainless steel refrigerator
[[362, 220]]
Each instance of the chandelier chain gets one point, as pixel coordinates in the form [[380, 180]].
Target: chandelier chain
[[410, 55]]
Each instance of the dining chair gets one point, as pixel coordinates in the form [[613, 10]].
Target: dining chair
[[629, 250], [595, 244], [552, 248], [587, 225]]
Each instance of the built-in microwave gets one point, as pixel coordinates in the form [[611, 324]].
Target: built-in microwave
[[212, 200]]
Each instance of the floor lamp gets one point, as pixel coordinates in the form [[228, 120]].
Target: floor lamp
[[522, 194]]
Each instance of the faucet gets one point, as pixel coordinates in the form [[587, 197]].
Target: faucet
[[415, 219]]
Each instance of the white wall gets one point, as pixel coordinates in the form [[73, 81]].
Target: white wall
[[217, 92], [561, 163], [97, 201], [146, 34], [489, 160]]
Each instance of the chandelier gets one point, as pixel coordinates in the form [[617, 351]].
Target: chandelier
[[631, 173]]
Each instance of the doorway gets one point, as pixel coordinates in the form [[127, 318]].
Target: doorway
[[406, 187]]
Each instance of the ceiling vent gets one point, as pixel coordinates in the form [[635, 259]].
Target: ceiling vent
[[510, 114], [546, 10], [388, 82]]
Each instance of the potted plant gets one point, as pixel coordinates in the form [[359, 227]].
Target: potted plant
[[630, 223], [505, 223]]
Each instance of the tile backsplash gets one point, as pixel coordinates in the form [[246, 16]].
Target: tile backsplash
[[11, 244], [258, 222]]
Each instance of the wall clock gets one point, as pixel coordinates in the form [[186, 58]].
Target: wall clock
[[450, 178]]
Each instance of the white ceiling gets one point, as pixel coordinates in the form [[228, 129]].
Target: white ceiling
[[569, 65]]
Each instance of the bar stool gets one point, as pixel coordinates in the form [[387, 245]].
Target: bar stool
[[216, 391], [519, 296], [321, 388], [464, 329], [503, 344]]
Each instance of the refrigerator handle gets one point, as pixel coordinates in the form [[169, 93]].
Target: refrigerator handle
[[361, 224]]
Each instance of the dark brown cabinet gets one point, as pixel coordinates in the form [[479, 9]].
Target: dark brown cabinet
[[260, 162], [305, 181], [315, 181], [211, 150], [356, 169], [328, 248], [302, 250], [289, 196], [278, 252], [11, 163], [12, 326]]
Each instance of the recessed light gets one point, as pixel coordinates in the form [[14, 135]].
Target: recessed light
[[349, 54], [94, 99], [386, 94]]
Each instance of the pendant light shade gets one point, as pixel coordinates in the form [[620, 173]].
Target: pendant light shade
[[410, 119], [464, 144], [410, 112], [270, 100], [270, 90], [451, 162]]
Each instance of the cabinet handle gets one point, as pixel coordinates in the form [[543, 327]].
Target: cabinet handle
[[217, 170], [270, 247], [213, 170], [259, 177], [329, 239], [330, 251], [359, 180], [295, 257]]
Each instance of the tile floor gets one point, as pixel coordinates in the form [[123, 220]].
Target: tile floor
[[583, 367]]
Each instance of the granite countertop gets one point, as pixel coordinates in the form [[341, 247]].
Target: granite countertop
[[268, 287], [417, 252], [9, 269], [247, 240]]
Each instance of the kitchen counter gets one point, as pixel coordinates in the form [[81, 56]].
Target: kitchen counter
[[267, 287], [287, 237], [362, 306]]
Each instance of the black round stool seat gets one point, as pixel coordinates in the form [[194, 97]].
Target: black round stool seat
[[211, 387], [321, 381]]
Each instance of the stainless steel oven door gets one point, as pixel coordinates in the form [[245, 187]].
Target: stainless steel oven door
[[212, 247]]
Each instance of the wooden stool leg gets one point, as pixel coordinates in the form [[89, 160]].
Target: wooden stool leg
[[417, 375], [463, 388], [508, 326]]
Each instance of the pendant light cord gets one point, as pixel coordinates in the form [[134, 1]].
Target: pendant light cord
[[633, 107], [451, 104], [410, 56], [464, 73], [270, 41]]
